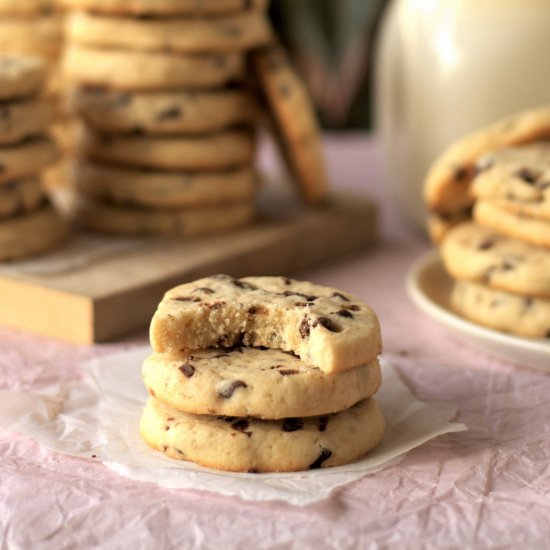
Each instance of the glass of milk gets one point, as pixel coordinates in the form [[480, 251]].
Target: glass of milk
[[445, 68]]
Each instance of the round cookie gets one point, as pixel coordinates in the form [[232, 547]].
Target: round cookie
[[156, 189], [327, 328], [521, 315], [25, 118], [31, 234], [20, 197], [531, 230], [480, 254], [212, 152], [131, 70], [175, 112], [20, 76], [240, 32], [163, 8], [262, 383], [251, 445], [188, 222], [26, 7], [447, 185], [294, 120], [516, 179], [26, 158]]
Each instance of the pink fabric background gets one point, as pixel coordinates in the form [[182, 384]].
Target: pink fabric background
[[487, 487]]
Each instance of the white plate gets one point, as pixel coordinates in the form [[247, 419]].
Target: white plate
[[429, 287]]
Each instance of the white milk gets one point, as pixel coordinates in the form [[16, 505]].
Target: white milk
[[447, 67]]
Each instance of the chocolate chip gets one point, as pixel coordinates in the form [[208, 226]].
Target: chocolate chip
[[528, 302], [252, 471], [187, 299], [170, 113], [304, 327], [151, 392], [220, 355], [247, 4], [187, 369], [460, 173], [229, 388], [325, 454], [288, 372], [213, 305], [243, 284], [340, 295], [254, 310], [345, 313], [166, 428], [286, 280], [292, 424], [487, 243], [327, 323], [301, 294], [242, 425], [322, 423], [204, 289], [528, 176]]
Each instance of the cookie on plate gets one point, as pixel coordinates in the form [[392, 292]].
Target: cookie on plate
[[31, 234], [164, 8], [294, 122], [517, 179], [243, 31], [163, 189], [176, 222], [480, 254], [531, 230], [137, 70], [180, 111], [326, 328], [447, 185], [212, 152], [521, 315], [252, 445], [257, 382]]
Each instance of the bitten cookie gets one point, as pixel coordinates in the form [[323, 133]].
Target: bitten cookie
[[480, 254], [213, 152], [163, 8], [31, 234], [26, 158], [516, 179], [162, 189], [256, 382], [531, 230], [294, 121], [25, 118], [239, 32], [326, 328], [20, 197], [251, 445], [447, 185], [185, 222], [133, 70], [177, 112], [20, 76], [522, 315]]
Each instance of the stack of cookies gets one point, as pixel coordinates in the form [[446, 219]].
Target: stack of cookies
[[262, 374], [501, 260], [28, 223], [167, 136]]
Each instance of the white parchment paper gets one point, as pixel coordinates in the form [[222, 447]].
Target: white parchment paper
[[99, 417]]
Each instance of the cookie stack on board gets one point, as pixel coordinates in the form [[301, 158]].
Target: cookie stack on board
[[262, 374], [167, 137], [500, 260], [29, 225]]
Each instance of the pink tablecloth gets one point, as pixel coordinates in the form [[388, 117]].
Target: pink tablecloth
[[487, 487]]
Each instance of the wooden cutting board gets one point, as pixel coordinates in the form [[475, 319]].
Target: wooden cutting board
[[100, 288]]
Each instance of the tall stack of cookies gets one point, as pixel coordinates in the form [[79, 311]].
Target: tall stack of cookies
[[262, 374], [167, 137], [29, 225], [500, 261]]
